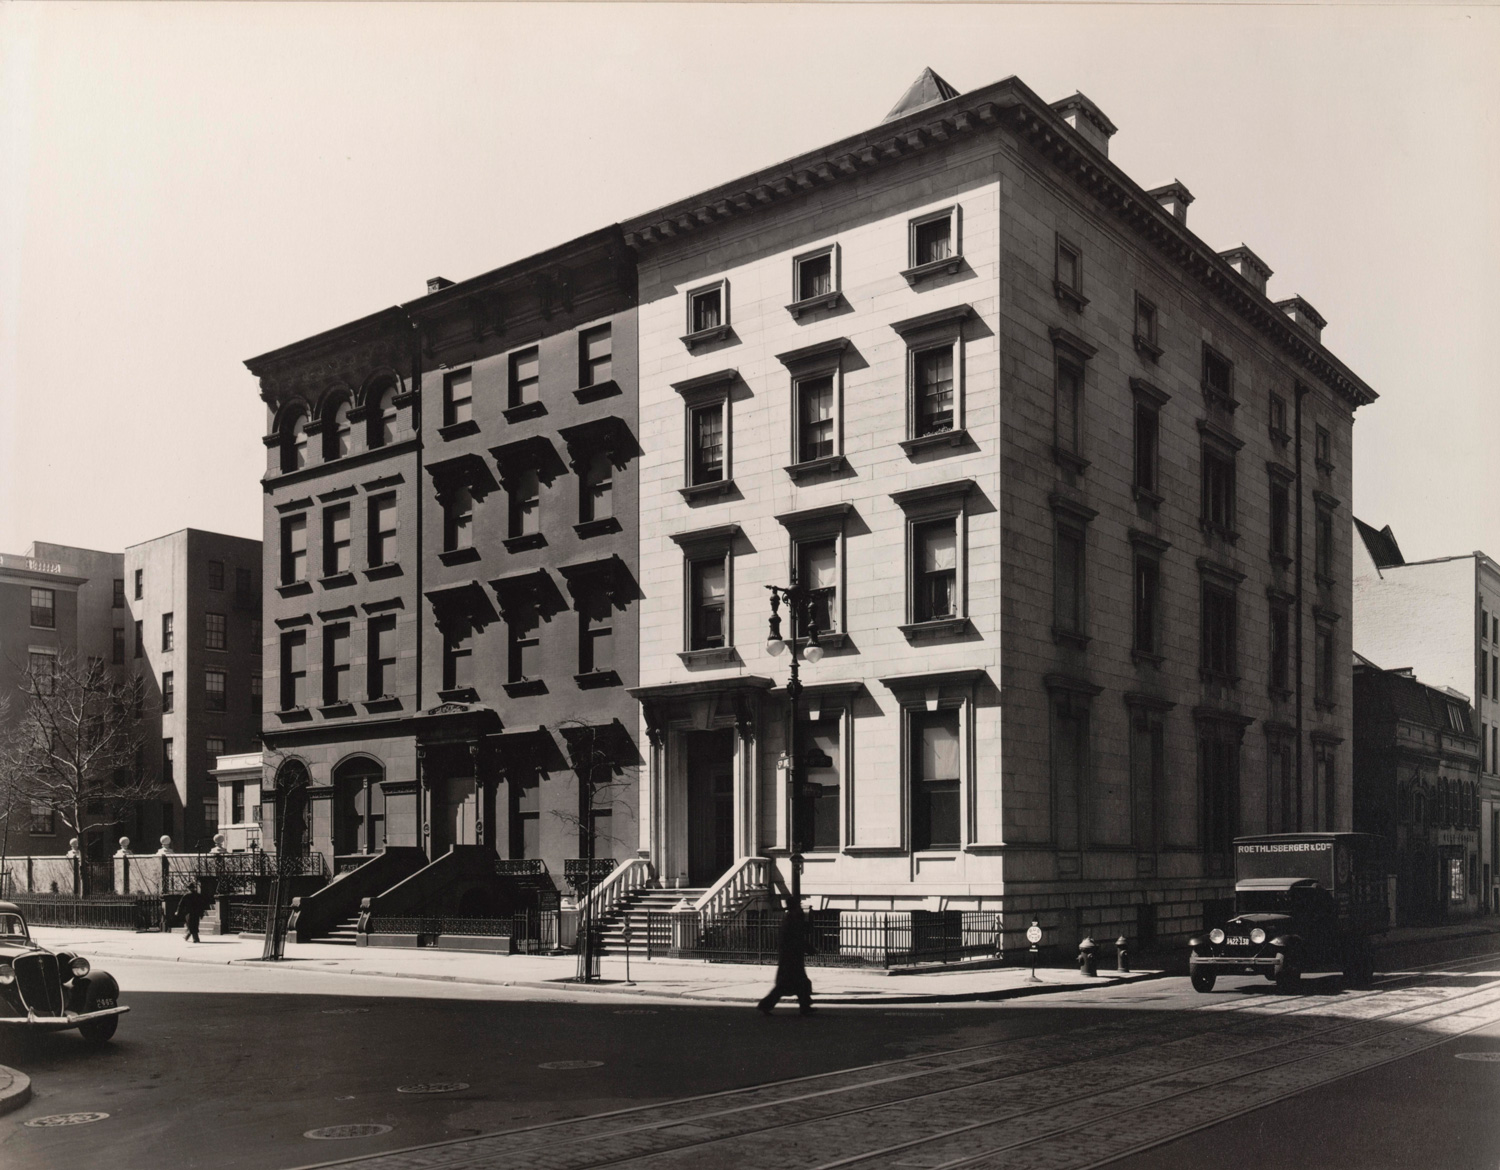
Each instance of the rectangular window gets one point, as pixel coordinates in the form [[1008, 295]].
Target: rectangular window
[[525, 503], [821, 766], [818, 573], [257, 693], [294, 670], [336, 540], [293, 549], [1326, 797], [1218, 492], [1281, 647], [595, 356], [458, 660], [237, 803], [140, 577], [525, 377], [214, 747], [43, 609], [211, 814], [935, 570], [1068, 580], [244, 588], [525, 819], [119, 600], [168, 692], [381, 663], [215, 631], [595, 632], [1217, 654], [213, 685], [1147, 605], [1484, 673], [1218, 376], [43, 821], [168, 637], [706, 425], [1323, 545], [166, 761], [119, 647], [336, 664], [43, 668], [1145, 321], [1278, 417], [709, 599], [1148, 770], [140, 639], [1147, 431], [1325, 666], [706, 309], [813, 275], [932, 239], [382, 530], [216, 575], [932, 390], [458, 520], [458, 397], [1324, 449], [1218, 785], [1067, 405], [1069, 271], [935, 774], [815, 421], [596, 486], [1281, 506], [524, 647]]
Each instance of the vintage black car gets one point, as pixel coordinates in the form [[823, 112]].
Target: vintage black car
[[1303, 902], [45, 992]]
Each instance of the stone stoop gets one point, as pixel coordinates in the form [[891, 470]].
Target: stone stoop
[[639, 904]]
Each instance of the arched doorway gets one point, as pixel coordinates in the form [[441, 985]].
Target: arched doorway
[[358, 807]]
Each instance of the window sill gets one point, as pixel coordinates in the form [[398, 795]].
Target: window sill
[[1323, 466], [515, 544], [594, 679], [949, 264], [515, 414], [1281, 437], [933, 630], [830, 643], [829, 300], [954, 438], [1070, 638], [694, 493], [1280, 694], [1218, 531], [1281, 560], [797, 472], [602, 527], [1326, 584], [705, 336], [597, 391], [1069, 296], [458, 430], [1223, 401], [1221, 680], [294, 715], [1147, 496], [1071, 460], [1325, 704], [715, 656], [336, 710], [524, 687], [381, 572], [1143, 658], [1148, 348], [295, 588], [458, 556], [458, 695], [383, 703], [337, 580]]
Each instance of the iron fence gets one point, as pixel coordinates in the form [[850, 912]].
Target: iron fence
[[140, 913], [250, 917], [239, 871], [837, 938]]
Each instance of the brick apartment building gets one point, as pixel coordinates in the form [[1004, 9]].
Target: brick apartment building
[[450, 503], [1074, 493]]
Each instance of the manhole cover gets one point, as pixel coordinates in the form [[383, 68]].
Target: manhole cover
[[635, 1012], [334, 1133], [571, 1064], [1488, 1056], [923, 1015], [346, 1011], [435, 1087], [57, 1119]]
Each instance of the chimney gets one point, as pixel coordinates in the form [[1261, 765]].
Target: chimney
[[1087, 120], [438, 283], [1304, 316], [1175, 198], [1250, 266]]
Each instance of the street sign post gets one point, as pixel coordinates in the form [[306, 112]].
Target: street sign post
[[1034, 936], [625, 933]]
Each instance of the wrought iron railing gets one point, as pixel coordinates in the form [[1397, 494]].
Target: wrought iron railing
[[612, 892], [584, 873], [520, 867], [249, 917], [239, 870], [111, 913]]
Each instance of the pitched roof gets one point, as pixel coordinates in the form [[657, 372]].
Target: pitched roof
[[1398, 695], [1382, 546], [926, 90]]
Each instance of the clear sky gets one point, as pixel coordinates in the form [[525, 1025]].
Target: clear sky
[[184, 186]]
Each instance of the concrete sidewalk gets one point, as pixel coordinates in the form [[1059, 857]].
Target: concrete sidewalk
[[657, 978]]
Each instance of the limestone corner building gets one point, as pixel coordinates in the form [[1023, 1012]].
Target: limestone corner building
[[1072, 490]]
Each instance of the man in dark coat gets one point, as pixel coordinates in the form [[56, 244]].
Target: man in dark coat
[[791, 965], [192, 912]]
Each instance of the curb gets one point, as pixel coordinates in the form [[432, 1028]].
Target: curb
[[15, 1089]]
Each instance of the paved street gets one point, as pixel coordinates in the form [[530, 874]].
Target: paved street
[[229, 1066]]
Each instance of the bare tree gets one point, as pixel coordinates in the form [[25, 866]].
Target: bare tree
[[75, 747]]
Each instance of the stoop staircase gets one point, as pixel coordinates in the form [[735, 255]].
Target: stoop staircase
[[637, 905], [341, 933]]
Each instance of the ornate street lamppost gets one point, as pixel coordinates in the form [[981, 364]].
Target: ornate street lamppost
[[799, 605]]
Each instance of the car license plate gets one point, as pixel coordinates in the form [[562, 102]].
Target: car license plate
[[1238, 942]]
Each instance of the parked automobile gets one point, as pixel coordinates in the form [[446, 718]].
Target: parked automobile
[[1303, 902], [44, 991]]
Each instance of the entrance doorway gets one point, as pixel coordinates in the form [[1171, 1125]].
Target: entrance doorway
[[710, 804], [358, 807]]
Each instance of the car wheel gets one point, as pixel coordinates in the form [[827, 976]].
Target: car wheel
[[1203, 981], [1289, 978], [99, 1031]]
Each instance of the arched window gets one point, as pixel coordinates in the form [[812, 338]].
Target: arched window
[[384, 417], [1418, 808], [294, 442], [337, 440]]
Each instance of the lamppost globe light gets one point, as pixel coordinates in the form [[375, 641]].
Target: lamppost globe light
[[812, 652], [774, 647]]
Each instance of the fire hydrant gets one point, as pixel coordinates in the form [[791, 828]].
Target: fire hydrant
[[1122, 959], [1087, 961]]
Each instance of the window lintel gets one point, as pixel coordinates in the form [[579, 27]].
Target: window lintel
[[1146, 540], [941, 322], [531, 454], [1138, 700], [1070, 685], [1151, 393], [1066, 339], [1327, 501], [936, 686], [1217, 434], [808, 359], [707, 387], [705, 542], [1224, 574], [827, 520], [934, 497], [1062, 505], [1278, 472]]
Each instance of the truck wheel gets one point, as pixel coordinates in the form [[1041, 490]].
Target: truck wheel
[[1289, 979], [1203, 981], [99, 1031], [1361, 968]]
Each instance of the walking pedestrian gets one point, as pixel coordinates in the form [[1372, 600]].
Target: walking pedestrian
[[791, 964], [192, 912]]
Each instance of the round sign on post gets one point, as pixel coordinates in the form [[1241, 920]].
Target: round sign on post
[[1033, 934]]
